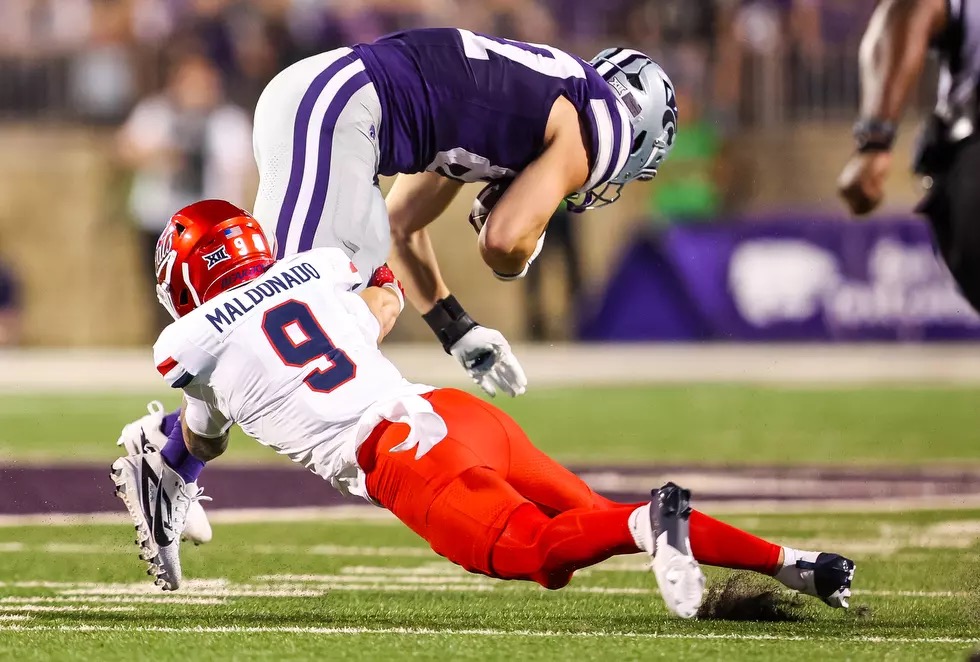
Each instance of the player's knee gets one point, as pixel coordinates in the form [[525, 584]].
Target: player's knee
[[521, 551]]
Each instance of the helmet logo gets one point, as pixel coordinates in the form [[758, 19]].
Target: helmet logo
[[670, 115], [626, 96], [216, 257], [164, 245]]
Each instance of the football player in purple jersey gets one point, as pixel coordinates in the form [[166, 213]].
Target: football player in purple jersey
[[439, 108]]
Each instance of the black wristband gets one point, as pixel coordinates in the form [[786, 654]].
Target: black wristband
[[873, 135], [448, 321]]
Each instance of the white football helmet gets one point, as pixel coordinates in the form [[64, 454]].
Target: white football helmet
[[648, 95]]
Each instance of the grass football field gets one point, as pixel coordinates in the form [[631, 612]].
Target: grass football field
[[664, 424], [368, 589]]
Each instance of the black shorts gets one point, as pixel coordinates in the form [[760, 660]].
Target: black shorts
[[952, 206]]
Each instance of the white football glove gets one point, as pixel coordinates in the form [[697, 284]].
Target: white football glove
[[486, 355]]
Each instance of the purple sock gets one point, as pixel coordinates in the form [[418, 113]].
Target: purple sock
[[170, 421], [178, 458]]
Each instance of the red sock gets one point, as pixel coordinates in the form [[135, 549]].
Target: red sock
[[548, 551], [717, 543]]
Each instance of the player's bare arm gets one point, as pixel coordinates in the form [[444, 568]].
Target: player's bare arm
[[385, 299], [385, 307], [413, 203], [893, 52], [515, 224], [203, 448]]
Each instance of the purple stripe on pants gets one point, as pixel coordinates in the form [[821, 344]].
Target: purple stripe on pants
[[336, 107], [301, 128]]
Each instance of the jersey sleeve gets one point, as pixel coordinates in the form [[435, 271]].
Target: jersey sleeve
[[367, 323], [203, 413], [335, 267], [179, 360]]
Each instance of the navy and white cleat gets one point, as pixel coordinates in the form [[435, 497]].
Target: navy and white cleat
[[157, 500], [145, 435], [820, 574], [661, 529]]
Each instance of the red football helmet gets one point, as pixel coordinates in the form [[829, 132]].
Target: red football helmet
[[207, 248]]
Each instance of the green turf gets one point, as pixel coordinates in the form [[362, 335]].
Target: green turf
[[706, 424], [447, 614]]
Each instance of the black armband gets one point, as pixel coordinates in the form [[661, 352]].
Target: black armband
[[873, 135], [448, 321]]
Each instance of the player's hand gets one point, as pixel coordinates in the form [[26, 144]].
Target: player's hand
[[862, 182], [384, 277], [486, 355]]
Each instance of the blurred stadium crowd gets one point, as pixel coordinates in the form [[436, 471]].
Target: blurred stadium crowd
[[91, 59]]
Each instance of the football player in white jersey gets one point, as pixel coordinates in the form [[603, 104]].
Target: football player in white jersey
[[288, 351]]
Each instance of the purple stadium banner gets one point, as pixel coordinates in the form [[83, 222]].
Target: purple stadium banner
[[783, 280]]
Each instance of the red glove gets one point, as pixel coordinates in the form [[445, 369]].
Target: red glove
[[384, 277]]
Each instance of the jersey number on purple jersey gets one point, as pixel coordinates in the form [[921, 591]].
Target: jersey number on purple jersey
[[463, 165], [537, 57], [299, 340]]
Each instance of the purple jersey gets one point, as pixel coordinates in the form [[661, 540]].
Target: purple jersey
[[474, 107]]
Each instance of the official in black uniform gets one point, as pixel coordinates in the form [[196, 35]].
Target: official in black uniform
[[893, 51]]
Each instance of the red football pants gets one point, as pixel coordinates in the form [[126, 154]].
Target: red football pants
[[488, 500]]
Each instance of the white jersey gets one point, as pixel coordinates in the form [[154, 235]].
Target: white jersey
[[292, 357]]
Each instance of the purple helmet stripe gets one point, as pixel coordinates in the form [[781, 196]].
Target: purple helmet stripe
[[315, 211], [300, 129]]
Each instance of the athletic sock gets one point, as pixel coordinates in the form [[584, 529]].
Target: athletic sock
[[170, 421], [178, 458], [788, 573], [716, 543]]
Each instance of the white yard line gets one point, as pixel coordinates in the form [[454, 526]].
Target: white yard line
[[414, 632], [14, 617], [914, 594], [405, 576], [161, 598], [219, 591], [74, 609], [243, 591], [79, 548]]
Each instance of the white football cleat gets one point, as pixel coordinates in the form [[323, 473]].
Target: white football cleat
[[145, 435], [821, 574], [197, 528], [661, 530], [158, 500]]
